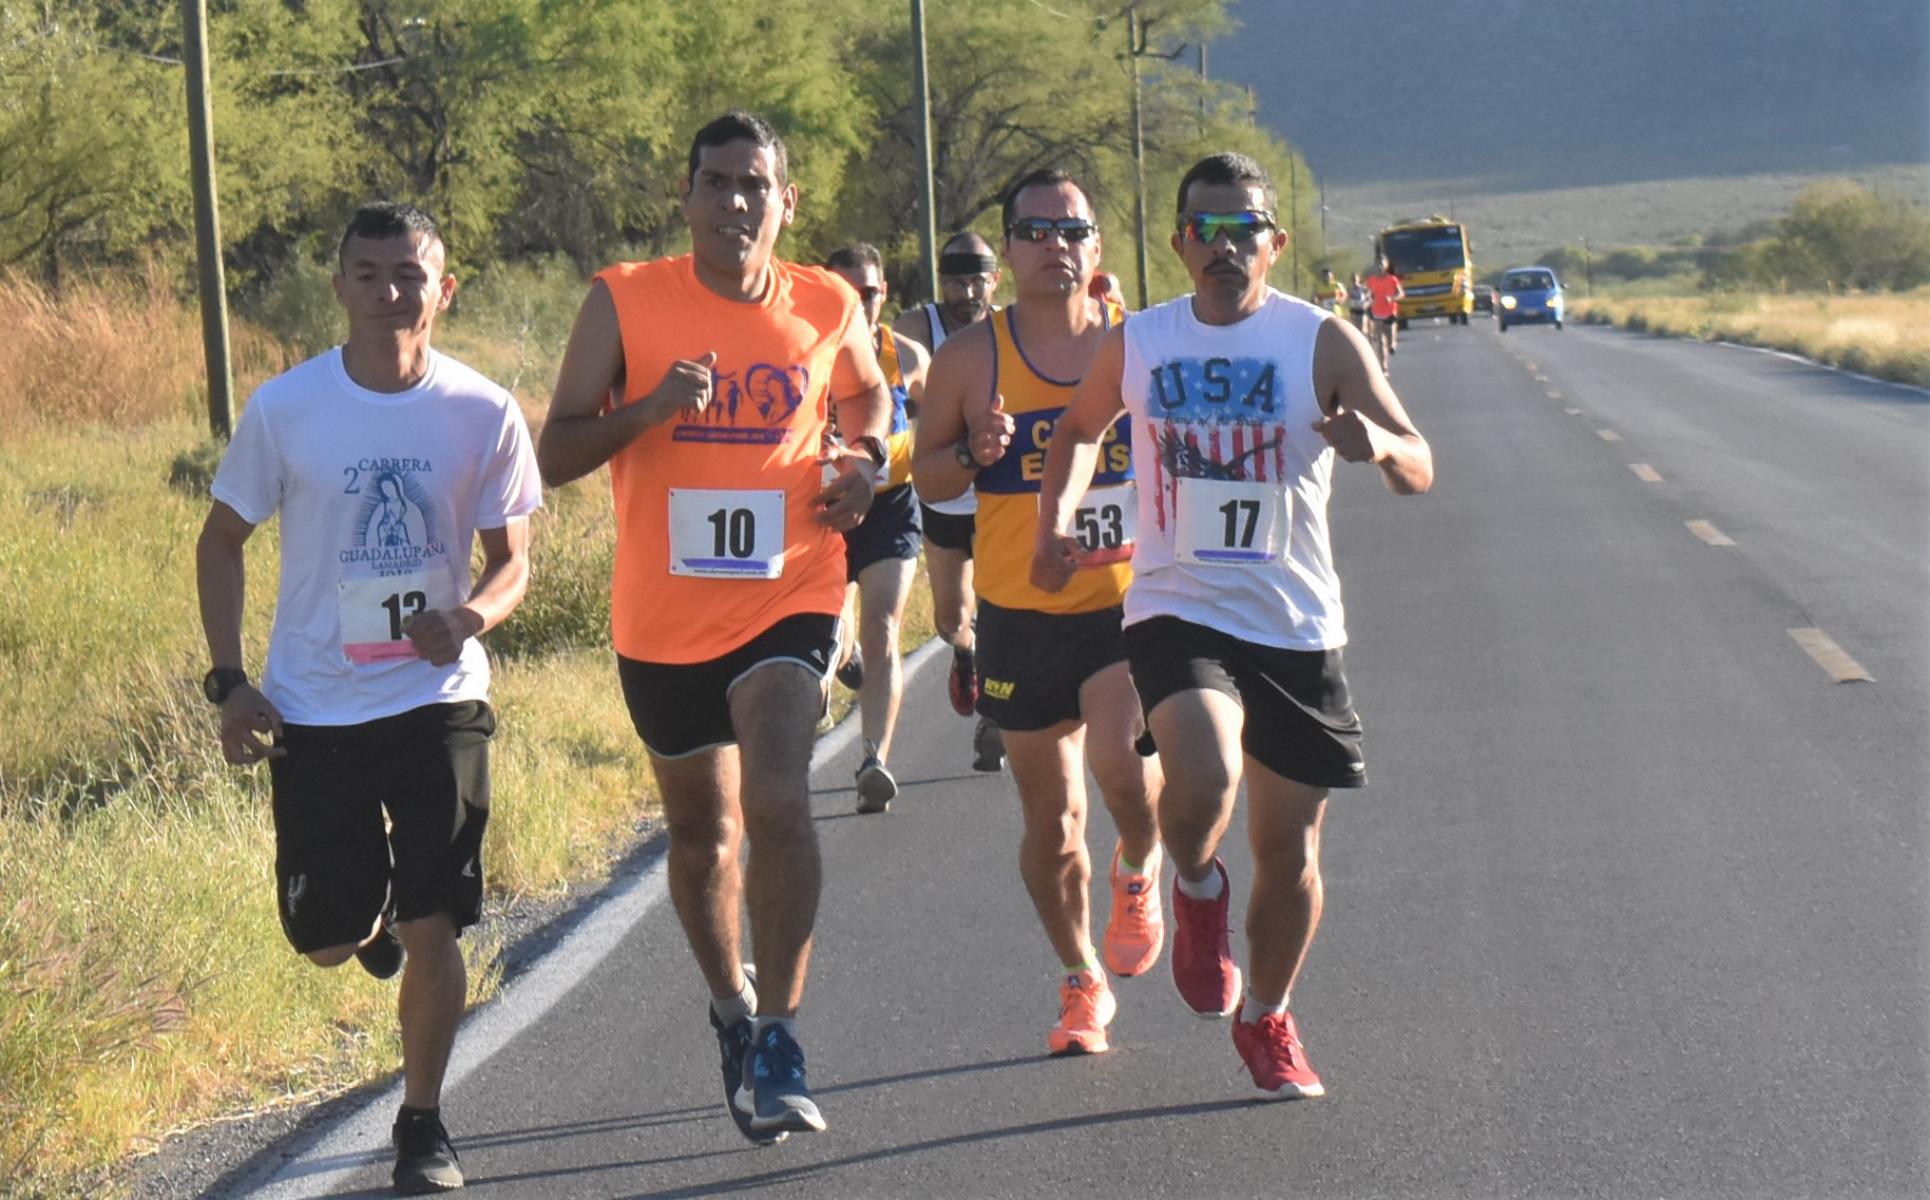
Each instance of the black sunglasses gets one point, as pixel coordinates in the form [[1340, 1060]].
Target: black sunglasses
[[1205, 228], [1038, 229]]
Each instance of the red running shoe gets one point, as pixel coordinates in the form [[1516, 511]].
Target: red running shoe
[[1203, 966], [963, 684], [1275, 1058]]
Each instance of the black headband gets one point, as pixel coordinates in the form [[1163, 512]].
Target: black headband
[[966, 262]]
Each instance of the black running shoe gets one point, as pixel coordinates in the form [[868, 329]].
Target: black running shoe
[[382, 957], [876, 787], [851, 670], [425, 1162], [734, 1048], [988, 748]]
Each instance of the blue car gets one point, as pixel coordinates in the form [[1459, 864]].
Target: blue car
[[1528, 296]]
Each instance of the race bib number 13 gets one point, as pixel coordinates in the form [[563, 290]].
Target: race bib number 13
[[1230, 523], [375, 613], [726, 534]]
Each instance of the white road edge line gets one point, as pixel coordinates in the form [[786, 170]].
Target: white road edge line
[[323, 1165]]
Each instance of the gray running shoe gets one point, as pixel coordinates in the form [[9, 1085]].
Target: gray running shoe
[[876, 788], [774, 1085], [382, 957]]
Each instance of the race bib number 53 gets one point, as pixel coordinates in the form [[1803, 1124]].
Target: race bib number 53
[[1104, 524], [1230, 523], [726, 534]]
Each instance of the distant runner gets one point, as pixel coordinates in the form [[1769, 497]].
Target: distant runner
[[968, 277], [882, 552], [1385, 291]]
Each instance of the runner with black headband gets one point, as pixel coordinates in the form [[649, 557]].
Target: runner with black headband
[[968, 275]]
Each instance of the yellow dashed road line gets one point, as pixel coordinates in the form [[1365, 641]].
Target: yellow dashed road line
[[1830, 656], [1608, 435], [1645, 473], [1709, 533]]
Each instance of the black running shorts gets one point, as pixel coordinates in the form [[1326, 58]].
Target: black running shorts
[[948, 531], [1300, 721], [1032, 664], [890, 530], [680, 709], [336, 866]]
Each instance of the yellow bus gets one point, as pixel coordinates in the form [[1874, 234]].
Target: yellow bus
[[1432, 258]]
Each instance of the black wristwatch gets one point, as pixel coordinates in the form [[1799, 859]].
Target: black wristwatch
[[962, 451], [873, 448], [217, 684]]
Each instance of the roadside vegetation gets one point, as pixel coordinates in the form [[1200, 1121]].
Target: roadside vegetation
[[144, 982], [1843, 279]]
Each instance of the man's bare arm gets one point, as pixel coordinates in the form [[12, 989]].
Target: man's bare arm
[[1364, 420]]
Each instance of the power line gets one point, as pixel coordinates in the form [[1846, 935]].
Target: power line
[[175, 62]]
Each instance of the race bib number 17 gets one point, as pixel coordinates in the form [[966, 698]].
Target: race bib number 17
[[1230, 523], [724, 533]]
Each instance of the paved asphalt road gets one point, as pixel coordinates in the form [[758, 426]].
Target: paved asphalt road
[[1635, 904]]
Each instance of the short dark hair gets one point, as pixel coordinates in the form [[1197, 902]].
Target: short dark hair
[[1227, 167], [1043, 177], [855, 256], [971, 241], [740, 126], [384, 219]]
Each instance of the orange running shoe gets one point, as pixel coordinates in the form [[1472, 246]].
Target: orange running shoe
[[1275, 1058], [1137, 928], [1086, 1007]]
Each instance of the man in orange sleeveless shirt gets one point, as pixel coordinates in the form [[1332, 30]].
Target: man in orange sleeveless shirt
[[708, 383], [1052, 665]]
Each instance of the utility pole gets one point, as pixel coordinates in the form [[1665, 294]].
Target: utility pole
[[1293, 222], [928, 227], [207, 221], [1136, 46], [1202, 85]]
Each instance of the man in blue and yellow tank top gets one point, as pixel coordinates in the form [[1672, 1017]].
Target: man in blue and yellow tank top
[[1052, 665], [882, 552]]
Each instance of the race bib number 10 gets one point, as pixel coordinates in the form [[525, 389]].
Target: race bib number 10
[[1230, 523], [726, 534], [375, 613]]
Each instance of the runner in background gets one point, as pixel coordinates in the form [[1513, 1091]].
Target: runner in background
[[1384, 292], [968, 277]]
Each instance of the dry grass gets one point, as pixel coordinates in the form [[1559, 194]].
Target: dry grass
[[1886, 336], [115, 351]]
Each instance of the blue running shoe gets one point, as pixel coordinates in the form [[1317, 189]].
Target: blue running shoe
[[734, 1047], [774, 1087]]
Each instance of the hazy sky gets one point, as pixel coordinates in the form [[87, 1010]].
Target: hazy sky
[[1553, 92]]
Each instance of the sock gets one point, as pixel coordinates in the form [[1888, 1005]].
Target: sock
[[1133, 868], [870, 749], [787, 1024], [1252, 1010], [1206, 889], [421, 1114], [1089, 963], [732, 1009]]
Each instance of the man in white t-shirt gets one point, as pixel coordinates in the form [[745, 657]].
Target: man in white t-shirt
[[1241, 397], [385, 461]]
